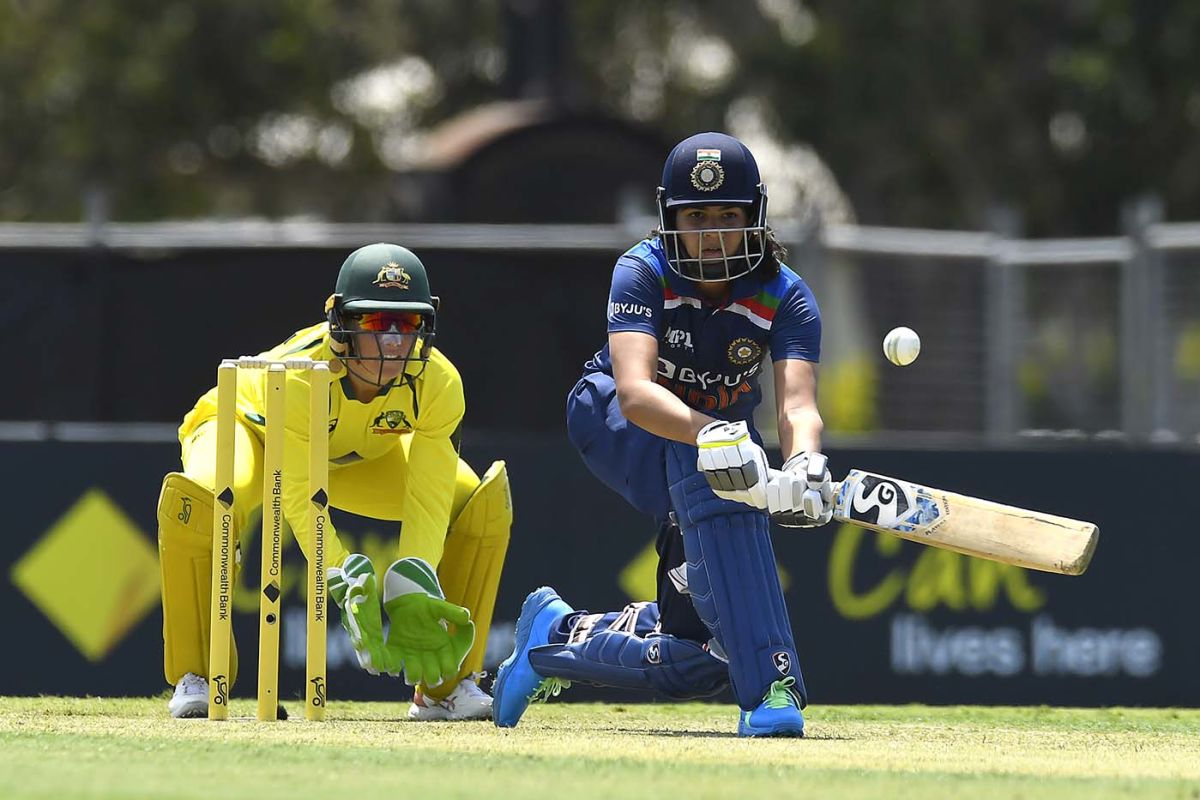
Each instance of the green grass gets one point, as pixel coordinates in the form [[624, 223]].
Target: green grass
[[100, 748]]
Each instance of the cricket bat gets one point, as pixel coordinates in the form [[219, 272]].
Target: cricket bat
[[966, 525]]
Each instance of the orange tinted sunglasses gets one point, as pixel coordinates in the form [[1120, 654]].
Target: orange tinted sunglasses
[[385, 321]]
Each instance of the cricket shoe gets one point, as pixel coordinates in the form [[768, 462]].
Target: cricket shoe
[[517, 684], [777, 715], [466, 702], [190, 700]]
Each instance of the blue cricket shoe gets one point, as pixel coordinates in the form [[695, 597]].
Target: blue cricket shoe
[[517, 685], [777, 715]]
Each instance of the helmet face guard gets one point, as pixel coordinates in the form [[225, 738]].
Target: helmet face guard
[[404, 338], [712, 169], [713, 268]]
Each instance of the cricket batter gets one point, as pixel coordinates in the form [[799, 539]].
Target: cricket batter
[[395, 408], [662, 415]]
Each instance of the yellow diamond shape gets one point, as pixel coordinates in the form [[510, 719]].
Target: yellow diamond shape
[[639, 579], [93, 574]]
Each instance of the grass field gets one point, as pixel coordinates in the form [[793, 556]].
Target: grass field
[[63, 748]]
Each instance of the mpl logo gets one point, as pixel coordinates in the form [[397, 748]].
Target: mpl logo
[[678, 338]]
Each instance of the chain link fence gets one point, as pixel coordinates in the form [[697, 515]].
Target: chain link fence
[[1022, 340]]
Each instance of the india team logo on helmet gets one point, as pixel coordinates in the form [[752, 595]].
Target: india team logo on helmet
[[708, 174], [392, 276]]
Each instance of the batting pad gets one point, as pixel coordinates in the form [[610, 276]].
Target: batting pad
[[624, 649], [473, 559], [185, 520], [733, 581]]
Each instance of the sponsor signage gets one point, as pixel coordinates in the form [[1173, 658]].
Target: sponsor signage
[[877, 620]]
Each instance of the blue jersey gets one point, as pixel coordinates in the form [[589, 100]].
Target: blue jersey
[[710, 355]]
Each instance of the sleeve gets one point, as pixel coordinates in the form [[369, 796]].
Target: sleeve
[[635, 301], [432, 464], [796, 331]]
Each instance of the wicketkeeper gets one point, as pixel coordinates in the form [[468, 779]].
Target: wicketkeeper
[[395, 409]]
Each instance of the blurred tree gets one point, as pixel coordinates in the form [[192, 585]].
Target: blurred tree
[[932, 112], [184, 108], [929, 112]]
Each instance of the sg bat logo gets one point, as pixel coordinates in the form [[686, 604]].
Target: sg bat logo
[[879, 501]]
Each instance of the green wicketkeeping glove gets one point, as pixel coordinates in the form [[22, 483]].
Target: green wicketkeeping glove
[[429, 635], [353, 587]]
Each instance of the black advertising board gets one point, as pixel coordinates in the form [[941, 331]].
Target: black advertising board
[[876, 619]]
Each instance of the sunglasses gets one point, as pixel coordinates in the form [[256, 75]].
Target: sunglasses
[[386, 321]]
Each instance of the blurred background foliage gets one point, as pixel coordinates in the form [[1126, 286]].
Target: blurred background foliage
[[929, 112]]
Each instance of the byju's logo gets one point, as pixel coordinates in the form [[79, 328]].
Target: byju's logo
[[616, 310]]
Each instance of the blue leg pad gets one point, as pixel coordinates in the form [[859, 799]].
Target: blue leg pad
[[733, 581], [674, 667]]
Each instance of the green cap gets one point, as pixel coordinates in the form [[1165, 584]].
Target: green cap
[[383, 277]]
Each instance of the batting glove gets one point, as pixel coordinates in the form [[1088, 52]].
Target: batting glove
[[736, 467], [801, 494]]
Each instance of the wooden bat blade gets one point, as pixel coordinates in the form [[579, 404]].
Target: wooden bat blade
[[964, 524]]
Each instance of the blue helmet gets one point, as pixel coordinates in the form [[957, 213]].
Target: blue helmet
[[705, 170]]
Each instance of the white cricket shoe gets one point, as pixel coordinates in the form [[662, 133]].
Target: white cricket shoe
[[467, 701], [191, 698]]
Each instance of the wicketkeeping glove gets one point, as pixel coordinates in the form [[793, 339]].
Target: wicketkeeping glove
[[801, 494], [429, 635], [352, 586], [735, 466]]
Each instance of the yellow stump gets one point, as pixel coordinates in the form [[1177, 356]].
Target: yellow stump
[[221, 606], [318, 492], [272, 545]]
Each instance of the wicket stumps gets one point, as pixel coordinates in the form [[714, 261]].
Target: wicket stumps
[[224, 548]]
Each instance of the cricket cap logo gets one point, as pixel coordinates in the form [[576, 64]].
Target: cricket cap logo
[[392, 276]]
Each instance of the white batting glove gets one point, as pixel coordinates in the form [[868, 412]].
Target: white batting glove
[[736, 467], [801, 494]]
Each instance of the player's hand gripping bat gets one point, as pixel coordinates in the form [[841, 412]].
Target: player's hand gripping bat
[[966, 525]]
